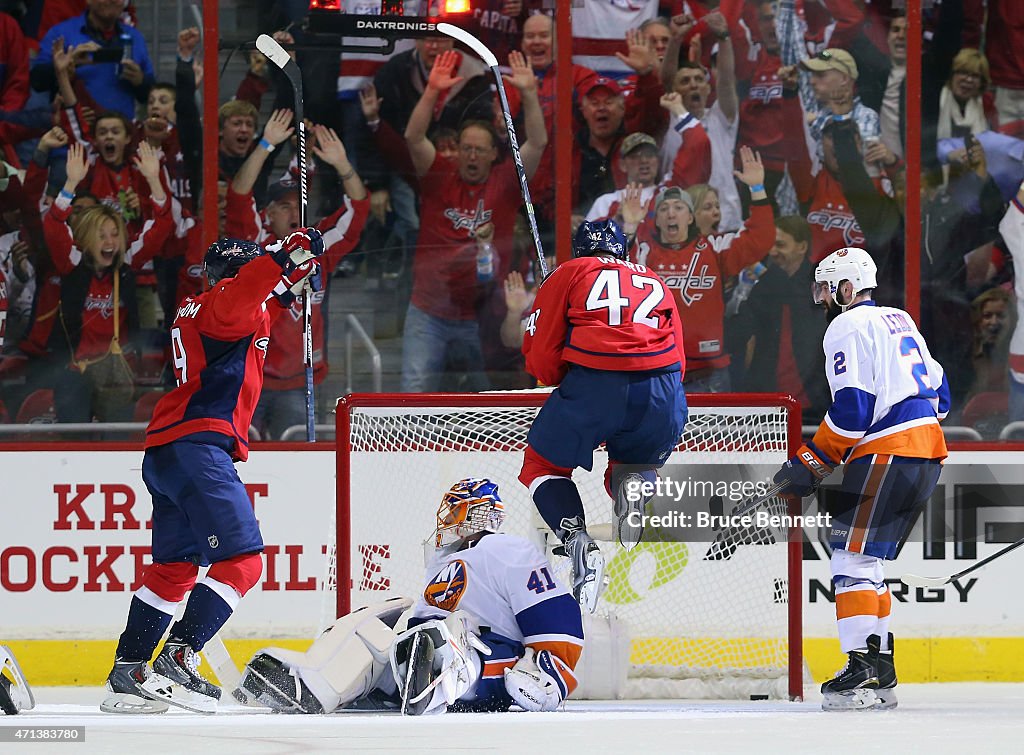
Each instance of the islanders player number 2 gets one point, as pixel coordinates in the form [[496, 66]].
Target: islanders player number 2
[[606, 294]]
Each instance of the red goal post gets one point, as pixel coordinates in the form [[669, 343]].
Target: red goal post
[[398, 453]]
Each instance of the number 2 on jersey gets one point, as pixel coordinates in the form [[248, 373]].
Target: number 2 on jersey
[[909, 347], [606, 294]]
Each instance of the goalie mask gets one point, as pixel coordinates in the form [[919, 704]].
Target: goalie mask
[[850, 263], [471, 506]]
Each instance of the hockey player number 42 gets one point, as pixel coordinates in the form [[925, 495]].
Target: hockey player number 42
[[606, 294]]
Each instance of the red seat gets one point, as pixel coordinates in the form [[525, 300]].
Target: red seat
[[986, 412], [37, 408]]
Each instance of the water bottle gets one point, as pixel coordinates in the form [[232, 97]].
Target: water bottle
[[484, 262], [126, 49], [747, 278]]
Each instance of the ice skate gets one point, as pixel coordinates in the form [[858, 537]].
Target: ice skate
[[127, 695], [885, 667], [630, 501], [587, 568], [854, 687], [175, 680]]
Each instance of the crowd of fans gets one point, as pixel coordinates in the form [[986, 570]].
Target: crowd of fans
[[737, 142]]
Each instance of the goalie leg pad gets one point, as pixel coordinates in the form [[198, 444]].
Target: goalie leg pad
[[347, 662], [15, 694]]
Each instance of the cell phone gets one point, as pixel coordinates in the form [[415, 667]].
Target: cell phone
[[969, 141], [107, 55]]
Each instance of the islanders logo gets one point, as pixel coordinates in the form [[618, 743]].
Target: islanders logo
[[447, 588]]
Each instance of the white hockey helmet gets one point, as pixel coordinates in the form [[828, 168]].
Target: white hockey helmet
[[849, 263], [470, 506]]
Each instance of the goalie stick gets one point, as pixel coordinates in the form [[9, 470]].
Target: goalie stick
[[914, 580], [485, 54], [270, 47]]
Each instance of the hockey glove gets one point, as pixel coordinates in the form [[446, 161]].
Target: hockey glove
[[287, 292], [805, 471], [538, 683], [296, 251]]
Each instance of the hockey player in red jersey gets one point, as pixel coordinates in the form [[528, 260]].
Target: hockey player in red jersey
[[201, 513], [607, 333]]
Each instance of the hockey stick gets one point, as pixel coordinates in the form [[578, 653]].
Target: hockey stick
[[914, 580], [491, 62], [217, 655], [752, 503], [270, 47]]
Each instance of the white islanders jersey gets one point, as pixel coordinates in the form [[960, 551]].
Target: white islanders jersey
[[507, 584], [888, 392]]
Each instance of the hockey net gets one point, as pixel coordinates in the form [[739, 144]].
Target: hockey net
[[719, 618]]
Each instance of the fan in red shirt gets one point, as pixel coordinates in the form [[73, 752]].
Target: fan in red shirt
[[96, 263], [459, 199], [694, 266], [606, 332], [283, 403]]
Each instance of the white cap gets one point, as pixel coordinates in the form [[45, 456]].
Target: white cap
[[849, 263]]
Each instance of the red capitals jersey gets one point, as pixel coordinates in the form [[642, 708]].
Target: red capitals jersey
[[761, 120], [696, 271], [603, 313], [219, 343], [833, 224], [444, 282], [341, 229]]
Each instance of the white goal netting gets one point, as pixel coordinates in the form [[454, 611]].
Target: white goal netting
[[709, 618]]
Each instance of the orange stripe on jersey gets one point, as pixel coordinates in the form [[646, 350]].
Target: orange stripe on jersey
[[867, 503], [831, 443], [497, 668], [566, 655], [856, 603], [884, 603], [921, 442], [566, 651]]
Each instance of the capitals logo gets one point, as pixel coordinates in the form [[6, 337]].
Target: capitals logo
[[834, 219], [691, 281], [447, 588]]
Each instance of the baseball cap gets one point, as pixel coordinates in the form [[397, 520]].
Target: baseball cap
[[832, 59], [279, 190], [602, 81], [673, 192], [634, 140]]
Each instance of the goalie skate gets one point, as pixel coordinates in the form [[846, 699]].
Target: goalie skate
[[175, 680]]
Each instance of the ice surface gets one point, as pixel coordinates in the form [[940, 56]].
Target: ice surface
[[932, 718]]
